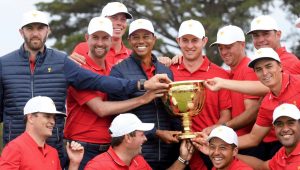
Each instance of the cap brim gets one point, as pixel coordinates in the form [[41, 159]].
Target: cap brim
[[146, 126], [252, 63], [222, 138]]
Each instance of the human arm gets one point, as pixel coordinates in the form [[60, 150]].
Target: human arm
[[254, 137], [165, 60], [75, 153], [77, 58], [106, 108], [255, 88], [247, 117], [186, 152], [81, 78], [225, 116], [168, 136], [254, 162], [78, 53]]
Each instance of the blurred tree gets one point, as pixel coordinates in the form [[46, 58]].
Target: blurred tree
[[70, 18]]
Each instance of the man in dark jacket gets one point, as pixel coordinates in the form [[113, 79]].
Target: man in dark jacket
[[36, 70], [142, 64]]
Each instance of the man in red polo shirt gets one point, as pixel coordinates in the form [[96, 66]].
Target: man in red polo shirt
[[287, 128], [89, 114], [195, 66], [29, 150], [127, 132], [118, 14], [231, 46], [284, 88], [222, 147]]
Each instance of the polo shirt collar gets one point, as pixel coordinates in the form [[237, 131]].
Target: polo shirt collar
[[285, 83], [30, 141], [244, 62], [117, 160], [280, 51], [124, 50], [135, 57], [203, 67], [24, 53], [295, 152], [92, 64]]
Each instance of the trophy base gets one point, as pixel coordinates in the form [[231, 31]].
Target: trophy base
[[186, 136]]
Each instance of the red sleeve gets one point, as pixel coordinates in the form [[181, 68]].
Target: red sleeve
[[264, 117], [83, 96], [81, 48], [11, 157]]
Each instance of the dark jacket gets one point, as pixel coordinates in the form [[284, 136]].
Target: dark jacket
[[52, 74], [154, 150]]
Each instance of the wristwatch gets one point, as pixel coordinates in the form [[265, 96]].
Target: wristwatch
[[185, 162], [142, 83]]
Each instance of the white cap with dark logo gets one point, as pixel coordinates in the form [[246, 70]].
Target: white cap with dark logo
[[229, 34], [288, 110], [263, 53], [100, 24], [225, 133], [34, 17], [126, 123], [113, 8], [41, 104], [139, 24], [263, 23]]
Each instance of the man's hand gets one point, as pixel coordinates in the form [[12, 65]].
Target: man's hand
[[214, 84], [159, 81], [168, 136], [77, 58], [200, 142], [75, 153], [186, 149], [177, 59], [152, 94], [165, 60]]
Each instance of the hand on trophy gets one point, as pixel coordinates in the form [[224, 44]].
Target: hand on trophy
[[186, 149], [168, 136], [159, 81], [200, 142], [214, 84], [152, 94]]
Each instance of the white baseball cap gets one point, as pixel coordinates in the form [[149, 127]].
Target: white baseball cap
[[297, 23], [191, 27], [263, 22], [289, 110], [100, 24], [229, 34], [141, 24], [126, 123], [225, 133], [41, 104], [113, 8], [263, 53], [34, 17]]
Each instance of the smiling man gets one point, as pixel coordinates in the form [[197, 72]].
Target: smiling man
[[196, 66], [29, 150], [143, 64]]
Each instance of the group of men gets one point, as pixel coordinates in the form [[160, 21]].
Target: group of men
[[233, 117]]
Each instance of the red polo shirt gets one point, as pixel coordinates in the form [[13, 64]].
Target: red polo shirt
[[287, 59], [241, 72], [109, 160], [82, 123], [112, 57], [281, 161], [289, 93], [215, 102], [295, 68], [150, 71], [24, 153], [237, 164]]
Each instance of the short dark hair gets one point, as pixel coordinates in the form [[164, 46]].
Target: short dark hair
[[116, 141], [26, 119]]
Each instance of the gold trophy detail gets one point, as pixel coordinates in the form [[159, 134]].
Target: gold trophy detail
[[186, 99]]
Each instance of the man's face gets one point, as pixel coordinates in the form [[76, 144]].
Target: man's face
[[43, 124], [119, 21], [137, 141], [99, 44], [191, 46], [221, 153], [287, 131], [142, 42], [269, 73], [232, 54], [263, 38], [35, 36]]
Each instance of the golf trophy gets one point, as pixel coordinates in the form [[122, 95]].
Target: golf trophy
[[185, 99]]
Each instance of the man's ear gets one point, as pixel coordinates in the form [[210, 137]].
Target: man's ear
[[21, 32], [235, 151]]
